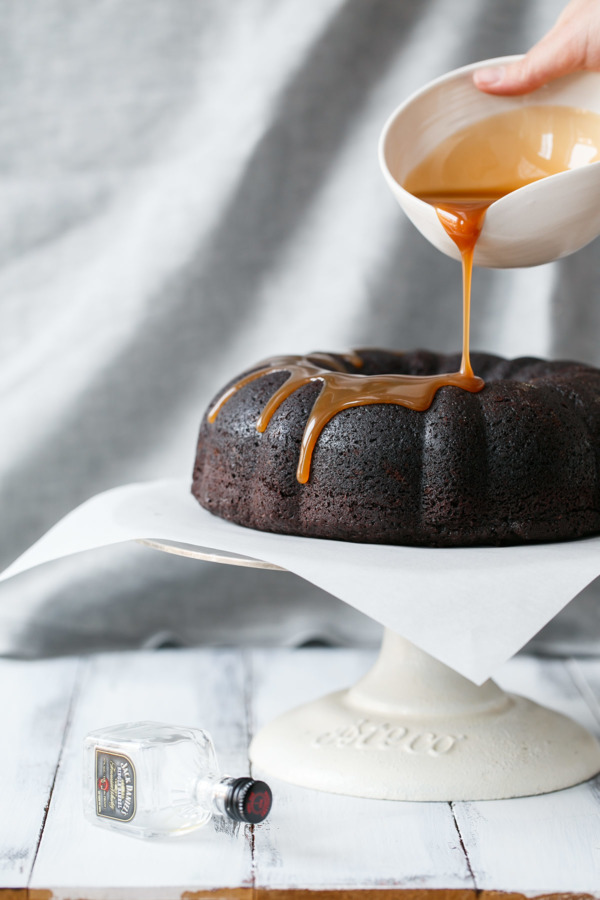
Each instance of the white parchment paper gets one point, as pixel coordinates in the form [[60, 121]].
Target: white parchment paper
[[471, 608]]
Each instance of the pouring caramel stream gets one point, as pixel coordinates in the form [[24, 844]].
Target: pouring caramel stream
[[462, 218], [461, 178]]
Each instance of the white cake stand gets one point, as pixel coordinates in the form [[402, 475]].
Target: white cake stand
[[413, 729]]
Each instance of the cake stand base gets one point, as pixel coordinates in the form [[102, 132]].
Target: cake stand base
[[413, 729]]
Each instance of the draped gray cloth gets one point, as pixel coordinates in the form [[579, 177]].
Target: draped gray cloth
[[189, 186]]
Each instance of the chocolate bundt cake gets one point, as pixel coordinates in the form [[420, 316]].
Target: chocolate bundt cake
[[515, 461]]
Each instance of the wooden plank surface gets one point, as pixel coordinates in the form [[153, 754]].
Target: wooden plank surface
[[313, 842], [34, 708]]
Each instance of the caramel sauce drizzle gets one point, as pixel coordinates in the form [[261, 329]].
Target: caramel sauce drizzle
[[463, 220], [340, 390], [461, 178]]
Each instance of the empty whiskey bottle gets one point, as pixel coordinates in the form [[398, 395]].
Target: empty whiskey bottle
[[150, 780]]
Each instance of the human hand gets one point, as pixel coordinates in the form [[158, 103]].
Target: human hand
[[571, 45]]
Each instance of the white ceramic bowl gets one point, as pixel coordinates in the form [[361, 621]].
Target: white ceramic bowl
[[535, 224]]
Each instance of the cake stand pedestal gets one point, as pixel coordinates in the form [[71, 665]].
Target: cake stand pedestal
[[413, 729]]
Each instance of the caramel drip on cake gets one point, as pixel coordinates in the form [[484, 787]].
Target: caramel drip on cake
[[462, 219], [341, 390]]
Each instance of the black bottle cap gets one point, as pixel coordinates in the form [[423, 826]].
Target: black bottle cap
[[248, 801]]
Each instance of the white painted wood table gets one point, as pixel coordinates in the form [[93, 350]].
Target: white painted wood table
[[337, 846]]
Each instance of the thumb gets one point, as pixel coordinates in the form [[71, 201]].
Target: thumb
[[553, 56]]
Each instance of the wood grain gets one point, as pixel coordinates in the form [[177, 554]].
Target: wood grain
[[314, 845], [34, 706]]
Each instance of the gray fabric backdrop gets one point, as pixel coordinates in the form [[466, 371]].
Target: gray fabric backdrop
[[187, 187]]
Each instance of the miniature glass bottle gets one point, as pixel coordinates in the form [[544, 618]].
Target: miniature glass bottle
[[151, 780]]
